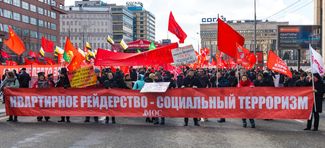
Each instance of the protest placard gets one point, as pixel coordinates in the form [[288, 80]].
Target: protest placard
[[159, 87], [83, 77], [184, 55]]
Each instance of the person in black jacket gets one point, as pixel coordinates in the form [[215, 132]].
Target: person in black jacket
[[65, 83], [318, 106], [191, 81], [203, 78], [302, 81], [24, 78], [110, 83], [259, 81], [168, 78], [222, 82]]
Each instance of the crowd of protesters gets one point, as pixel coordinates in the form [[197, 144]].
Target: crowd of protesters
[[198, 78]]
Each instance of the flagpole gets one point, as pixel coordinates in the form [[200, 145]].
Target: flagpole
[[217, 76], [312, 78], [237, 73]]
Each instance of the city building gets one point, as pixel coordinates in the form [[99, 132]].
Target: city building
[[266, 36], [122, 23], [31, 19], [319, 19], [87, 21], [166, 41], [143, 22]]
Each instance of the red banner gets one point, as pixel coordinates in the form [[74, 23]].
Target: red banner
[[262, 103], [158, 56], [32, 70]]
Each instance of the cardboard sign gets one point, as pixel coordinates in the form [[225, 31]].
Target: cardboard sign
[[184, 55], [159, 87], [83, 77]]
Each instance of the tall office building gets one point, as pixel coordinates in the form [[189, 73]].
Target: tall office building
[[122, 23], [143, 23], [31, 19], [87, 21], [319, 19]]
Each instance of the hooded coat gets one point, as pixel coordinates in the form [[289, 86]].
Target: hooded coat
[[139, 83]]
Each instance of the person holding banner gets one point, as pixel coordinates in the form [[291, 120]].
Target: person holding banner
[[110, 83], [41, 83], [10, 81], [24, 78], [191, 81], [245, 82], [65, 83], [318, 105]]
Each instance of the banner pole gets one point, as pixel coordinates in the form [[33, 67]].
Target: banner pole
[[217, 77], [312, 77]]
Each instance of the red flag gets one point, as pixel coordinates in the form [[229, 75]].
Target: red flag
[[125, 69], [60, 58], [75, 63], [49, 61], [174, 28], [11, 63], [276, 64], [245, 58], [47, 45], [14, 42], [77, 57], [32, 54], [69, 47], [228, 38], [5, 55]]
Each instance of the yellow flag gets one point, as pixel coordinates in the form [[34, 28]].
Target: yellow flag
[[41, 51], [110, 40], [59, 50], [123, 44], [88, 46]]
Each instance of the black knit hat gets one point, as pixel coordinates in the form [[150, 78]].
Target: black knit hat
[[41, 74], [63, 71]]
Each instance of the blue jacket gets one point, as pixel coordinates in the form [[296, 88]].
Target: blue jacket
[[139, 83]]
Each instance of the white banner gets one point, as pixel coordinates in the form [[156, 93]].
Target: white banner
[[159, 87], [317, 62], [184, 55]]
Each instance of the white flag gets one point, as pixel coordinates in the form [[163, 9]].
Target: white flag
[[317, 62]]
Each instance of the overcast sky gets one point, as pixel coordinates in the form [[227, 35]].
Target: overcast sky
[[188, 13]]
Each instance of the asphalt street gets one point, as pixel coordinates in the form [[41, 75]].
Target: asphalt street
[[135, 133]]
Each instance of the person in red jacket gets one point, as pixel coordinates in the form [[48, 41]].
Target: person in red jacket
[[245, 82]]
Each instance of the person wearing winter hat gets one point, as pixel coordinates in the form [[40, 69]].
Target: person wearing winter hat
[[318, 105]]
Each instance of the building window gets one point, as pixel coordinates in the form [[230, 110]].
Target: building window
[[7, 14], [16, 16], [53, 15], [1, 27], [40, 10], [8, 1], [33, 21], [33, 34], [16, 3], [25, 32], [53, 38], [25, 5], [53, 26], [1, 14], [40, 23], [32, 8]]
